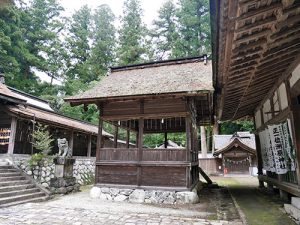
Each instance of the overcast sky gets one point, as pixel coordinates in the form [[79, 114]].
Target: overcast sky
[[150, 7]]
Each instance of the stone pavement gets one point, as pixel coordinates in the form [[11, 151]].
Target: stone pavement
[[80, 209]]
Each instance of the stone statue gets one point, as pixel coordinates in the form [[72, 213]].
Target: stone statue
[[63, 146]]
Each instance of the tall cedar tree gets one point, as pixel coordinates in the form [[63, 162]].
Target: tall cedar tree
[[165, 32], [194, 27], [132, 34], [42, 22], [78, 45], [14, 52], [103, 35]]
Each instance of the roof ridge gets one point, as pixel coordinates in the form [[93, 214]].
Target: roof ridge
[[160, 63]]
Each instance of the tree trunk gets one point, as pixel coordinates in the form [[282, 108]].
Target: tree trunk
[[216, 131], [203, 142]]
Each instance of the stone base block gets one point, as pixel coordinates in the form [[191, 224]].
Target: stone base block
[[296, 202], [60, 185], [58, 182], [293, 211], [144, 196]]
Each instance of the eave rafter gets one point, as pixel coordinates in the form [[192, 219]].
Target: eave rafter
[[258, 41]]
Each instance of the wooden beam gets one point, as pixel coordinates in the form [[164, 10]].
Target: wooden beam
[[259, 11], [12, 137]]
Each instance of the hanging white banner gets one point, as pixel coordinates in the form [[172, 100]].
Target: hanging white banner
[[277, 144]]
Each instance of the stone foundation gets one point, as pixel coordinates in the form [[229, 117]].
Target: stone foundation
[[83, 170], [146, 196]]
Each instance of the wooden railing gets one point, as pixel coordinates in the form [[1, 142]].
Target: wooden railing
[[164, 154], [118, 154], [131, 154]]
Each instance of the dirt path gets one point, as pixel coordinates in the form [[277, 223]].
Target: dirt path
[[258, 206]]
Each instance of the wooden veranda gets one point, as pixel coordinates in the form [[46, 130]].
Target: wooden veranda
[[162, 97]]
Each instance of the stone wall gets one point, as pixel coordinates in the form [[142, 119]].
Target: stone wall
[[146, 196], [84, 169]]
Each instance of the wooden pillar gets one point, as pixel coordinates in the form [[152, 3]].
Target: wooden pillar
[[13, 128], [166, 140], [89, 147], [116, 137], [127, 138], [71, 141], [259, 160], [188, 149], [99, 137], [140, 143], [295, 128]]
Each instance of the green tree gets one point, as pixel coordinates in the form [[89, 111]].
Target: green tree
[[42, 21], [14, 50], [230, 127], [194, 28], [165, 32], [132, 34], [103, 35], [78, 46]]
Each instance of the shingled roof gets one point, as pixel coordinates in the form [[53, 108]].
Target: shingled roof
[[8, 95], [187, 76]]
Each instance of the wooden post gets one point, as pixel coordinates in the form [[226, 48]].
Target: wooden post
[[137, 140], [259, 159], [294, 118], [188, 149], [89, 147], [99, 142], [99, 137], [127, 138], [116, 137], [166, 140], [13, 128], [71, 141], [140, 143]]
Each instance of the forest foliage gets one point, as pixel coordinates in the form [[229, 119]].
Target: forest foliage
[[77, 51]]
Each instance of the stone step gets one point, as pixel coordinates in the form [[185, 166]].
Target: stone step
[[296, 202], [16, 187], [8, 170], [6, 167], [19, 192], [13, 178], [21, 197], [4, 163], [33, 200], [10, 174], [13, 183], [292, 210]]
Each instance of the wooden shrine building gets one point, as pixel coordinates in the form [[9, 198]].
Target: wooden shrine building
[[158, 97], [238, 152], [256, 67], [20, 112]]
